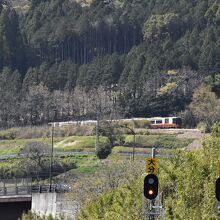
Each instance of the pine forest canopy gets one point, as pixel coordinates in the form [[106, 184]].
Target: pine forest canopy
[[142, 57]]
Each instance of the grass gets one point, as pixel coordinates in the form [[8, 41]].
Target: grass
[[87, 143], [86, 164], [85, 169], [140, 150], [16, 145], [158, 141], [121, 149], [79, 143]]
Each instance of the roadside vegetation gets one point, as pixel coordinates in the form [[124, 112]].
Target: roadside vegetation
[[186, 180], [114, 186]]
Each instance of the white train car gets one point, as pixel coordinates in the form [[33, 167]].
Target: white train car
[[165, 122], [155, 122]]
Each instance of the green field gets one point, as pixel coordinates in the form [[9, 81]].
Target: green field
[[158, 141], [12, 141], [79, 143], [16, 145], [86, 164], [87, 143]]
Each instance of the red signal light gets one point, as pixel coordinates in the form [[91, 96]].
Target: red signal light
[[150, 192], [151, 186]]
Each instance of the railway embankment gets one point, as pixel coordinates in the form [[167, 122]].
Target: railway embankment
[[195, 134]]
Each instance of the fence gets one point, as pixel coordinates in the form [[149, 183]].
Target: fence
[[10, 187]]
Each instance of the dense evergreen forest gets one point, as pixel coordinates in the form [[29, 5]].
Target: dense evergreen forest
[[65, 59]]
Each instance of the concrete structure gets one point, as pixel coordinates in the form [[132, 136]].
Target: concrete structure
[[54, 204], [18, 196], [15, 198]]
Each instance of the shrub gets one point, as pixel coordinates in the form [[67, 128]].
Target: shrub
[[34, 132], [126, 124], [216, 130], [143, 123], [78, 130], [8, 134], [202, 127], [103, 151], [142, 131]]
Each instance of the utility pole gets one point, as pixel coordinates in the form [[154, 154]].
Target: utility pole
[[97, 133], [133, 146], [51, 155], [134, 142]]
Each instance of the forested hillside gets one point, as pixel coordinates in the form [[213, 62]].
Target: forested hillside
[[64, 59]]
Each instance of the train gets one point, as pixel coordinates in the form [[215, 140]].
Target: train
[[155, 122], [165, 122]]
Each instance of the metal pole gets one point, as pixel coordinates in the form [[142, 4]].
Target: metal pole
[[133, 147], [51, 156], [153, 152], [142, 204], [97, 134], [152, 202]]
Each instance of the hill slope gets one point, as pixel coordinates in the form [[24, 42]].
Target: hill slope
[[140, 57]]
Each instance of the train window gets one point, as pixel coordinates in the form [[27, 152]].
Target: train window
[[152, 122], [166, 120], [158, 121]]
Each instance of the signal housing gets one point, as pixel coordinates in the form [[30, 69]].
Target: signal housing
[[151, 186], [217, 189]]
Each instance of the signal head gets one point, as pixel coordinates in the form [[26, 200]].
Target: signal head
[[151, 186], [217, 189]]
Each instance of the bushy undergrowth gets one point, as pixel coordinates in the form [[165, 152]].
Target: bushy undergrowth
[[27, 167], [9, 134], [33, 216], [103, 151], [187, 181], [45, 132], [143, 123], [25, 133]]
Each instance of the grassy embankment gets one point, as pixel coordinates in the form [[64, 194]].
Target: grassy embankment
[[12, 141]]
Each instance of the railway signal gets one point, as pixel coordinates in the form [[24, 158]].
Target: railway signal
[[151, 186], [217, 183], [217, 189]]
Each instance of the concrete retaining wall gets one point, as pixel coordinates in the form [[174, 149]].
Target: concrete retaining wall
[[54, 204]]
